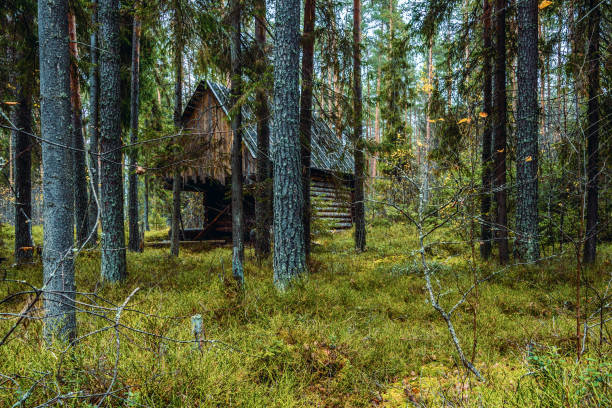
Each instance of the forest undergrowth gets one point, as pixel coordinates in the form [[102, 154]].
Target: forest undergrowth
[[357, 332]]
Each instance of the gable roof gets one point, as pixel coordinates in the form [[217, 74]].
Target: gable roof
[[328, 152]]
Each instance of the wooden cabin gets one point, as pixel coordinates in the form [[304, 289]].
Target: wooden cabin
[[205, 156]]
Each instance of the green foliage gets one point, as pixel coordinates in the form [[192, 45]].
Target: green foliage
[[355, 332], [555, 380]]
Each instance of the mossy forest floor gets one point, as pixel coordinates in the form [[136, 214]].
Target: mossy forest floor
[[357, 332]]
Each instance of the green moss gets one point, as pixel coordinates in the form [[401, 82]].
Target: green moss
[[358, 331]]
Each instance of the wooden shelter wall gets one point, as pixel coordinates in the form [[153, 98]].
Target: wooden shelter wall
[[207, 144]]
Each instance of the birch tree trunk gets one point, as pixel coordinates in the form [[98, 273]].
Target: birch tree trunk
[[111, 173], [289, 256], [56, 129]]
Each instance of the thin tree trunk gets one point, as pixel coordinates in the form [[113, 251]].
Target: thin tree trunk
[[134, 235], [500, 131], [81, 219], [236, 91], [358, 195], [377, 115], [485, 203], [22, 162], [263, 201], [56, 128], [178, 110], [306, 112], [592, 220], [527, 242], [21, 142], [289, 256], [94, 125], [146, 203], [175, 227], [111, 166]]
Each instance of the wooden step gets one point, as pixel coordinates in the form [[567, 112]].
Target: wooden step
[[342, 226], [334, 216], [340, 196], [327, 187]]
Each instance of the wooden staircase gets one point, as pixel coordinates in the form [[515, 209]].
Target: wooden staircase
[[331, 203]]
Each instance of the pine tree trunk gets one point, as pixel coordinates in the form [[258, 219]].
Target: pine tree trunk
[[146, 203], [134, 235], [593, 56], [175, 227], [263, 201], [81, 216], [527, 242], [377, 116], [236, 91], [94, 125], [178, 110], [358, 155], [485, 203], [306, 113], [499, 131], [111, 167], [56, 128], [21, 142], [22, 162], [289, 256]]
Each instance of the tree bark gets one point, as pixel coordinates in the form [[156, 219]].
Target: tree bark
[[485, 203], [263, 201], [22, 162], [81, 219], [500, 131], [593, 118], [21, 142], [289, 256], [358, 155], [178, 110], [527, 242], [146, 203], [56, 128], [377, 117], [134, 235], [111, 167], [94, 125], [236, 91], [306, 113], [175, 227]]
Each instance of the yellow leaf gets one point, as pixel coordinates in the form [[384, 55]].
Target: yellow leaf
[[465, 120], [11, 103], [431, 120], [544, 4], [441, 119], [500, 151], [483, 114], [528, 159]]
